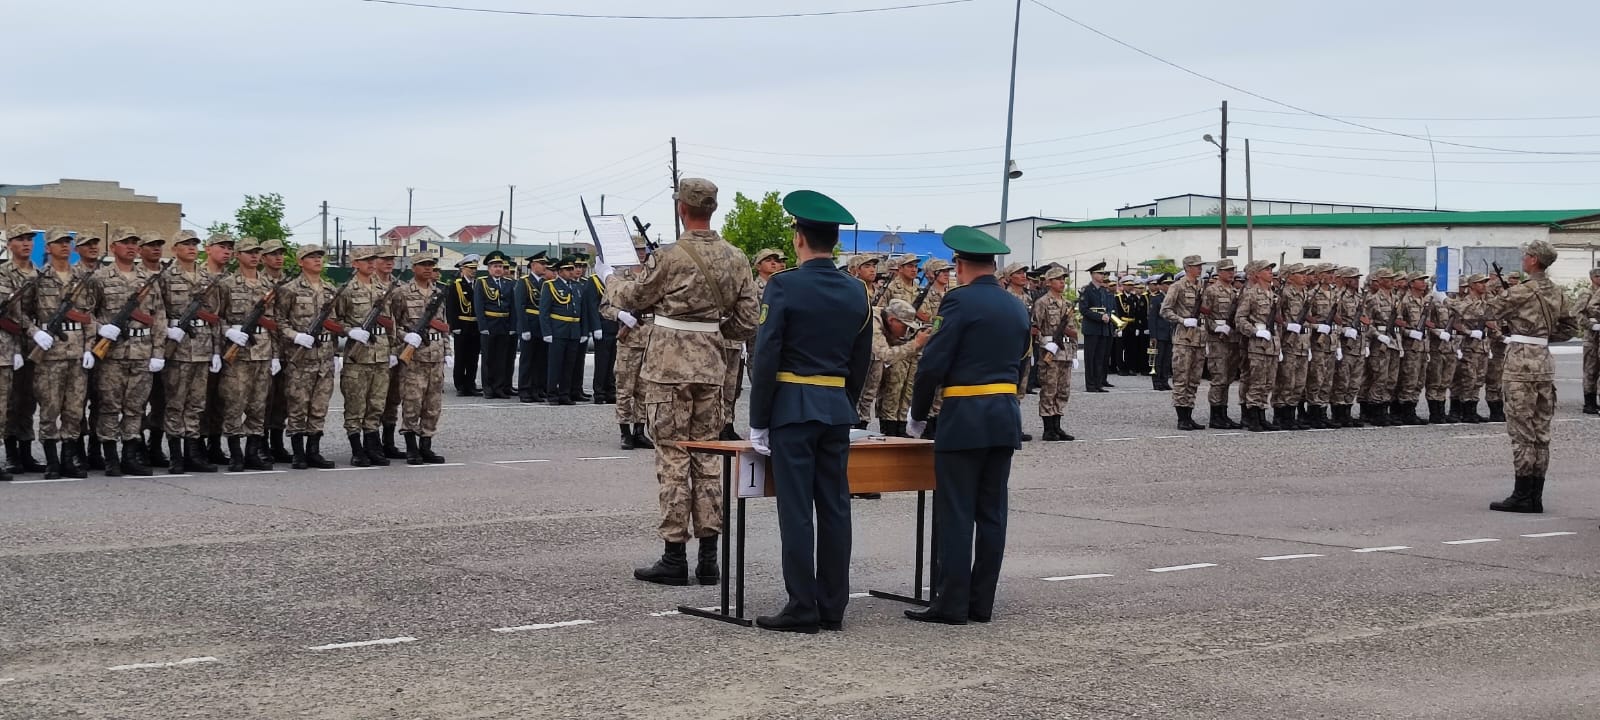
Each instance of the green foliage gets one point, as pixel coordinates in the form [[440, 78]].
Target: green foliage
[[752, 226], [1399, 259], [261, 217], [217, 228], [1162, 264]]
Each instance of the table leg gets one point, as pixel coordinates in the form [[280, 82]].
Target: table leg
[[739, 563], [916, 598], [723, 615]]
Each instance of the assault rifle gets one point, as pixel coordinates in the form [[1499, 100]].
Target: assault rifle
[[644, 231], [1498, 275], [321, 323], [64, 312], [426, 321], [193, 311], [6, 323], [253, 320], [130, 311]]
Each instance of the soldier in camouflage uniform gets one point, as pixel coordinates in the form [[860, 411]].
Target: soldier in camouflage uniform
[[892, 348], [633, 336], [365, 378], [1350, 325], [430, 357], [1014, 278], [1414, 365], [87, 246], [702, 294], [273, 256], [1533, 314], [191, 358], [1443, 329], [1589, 318], [390, 419], [1294, 342], [1474, 316], [150, 250], [252, 362], [1223, 356], [129, 353], [310, 362], [1494, 369], [894, 388], [1325, 347], [60, 381], [1058, 335], [17, 278], [936, 274], [1383, 350], [219, 250], [1184, 307], [865, 269], [1254, 313]]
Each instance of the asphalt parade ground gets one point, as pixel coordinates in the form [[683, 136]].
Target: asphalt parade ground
[[1150, 573]]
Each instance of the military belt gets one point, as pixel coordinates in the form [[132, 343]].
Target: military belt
[[818, 380], [195, 323], [686, 325], [435, 335], [531, 311], [66, 326], [494, 314], [976, 390], [467, 318], [564, 318], [138, 332], [1528, 340], [379, 330]]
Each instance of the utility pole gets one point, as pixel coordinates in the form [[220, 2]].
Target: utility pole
[[1223, 206], [1249, 209], [324, 225], [409, 193], [677, 225], [498, 227], [338, 241], [511, 210], [1011, 106], [602, 203]]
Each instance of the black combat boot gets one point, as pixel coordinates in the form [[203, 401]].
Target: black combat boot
[[175, 464], [1186, 419], [108, 453], [1220, 419], [627, 436], [1526, 497], [12, 466], [133, 462], [425, 448], [153, 455], [214, 451], [1435, 413], [1452, 413], [1251, 421], [194, 456], [1317, 417], [280, 454], [1469, 412], [25, 457], [1412, 418], [1497, 411], [412, 456], [72, 461], [52, 461], [297, 457], [314, 456], [1049, 429], [255, 453], [94, 459], [705, 569], [358, 454], [235, 455], [1590, 406], [671, 569], [1062, 434], [389, 450], [1281, 419], [374, 447], [640, 440]]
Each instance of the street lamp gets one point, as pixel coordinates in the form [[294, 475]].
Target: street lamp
[[1222, 202], [1011, 170]]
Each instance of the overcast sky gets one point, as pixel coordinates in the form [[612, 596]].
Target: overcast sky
[[898, 115]]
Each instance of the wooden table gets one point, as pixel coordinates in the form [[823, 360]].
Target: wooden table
[[876, 465]]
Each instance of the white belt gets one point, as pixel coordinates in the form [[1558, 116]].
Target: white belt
[[1383, 328], [687, 325], [1046, 340], [1529, 340]]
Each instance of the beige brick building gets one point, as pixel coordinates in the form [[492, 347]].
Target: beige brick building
[[87, 206]]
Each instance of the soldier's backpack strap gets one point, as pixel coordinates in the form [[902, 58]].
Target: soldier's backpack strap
[[723, 308]]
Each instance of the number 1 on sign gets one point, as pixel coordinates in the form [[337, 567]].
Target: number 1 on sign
[[752, 475]]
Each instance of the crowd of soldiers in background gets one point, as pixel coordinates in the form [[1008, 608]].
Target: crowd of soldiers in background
[[223, 357]]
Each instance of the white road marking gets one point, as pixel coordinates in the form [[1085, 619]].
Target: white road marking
[[1167, 437], [606, 457], [176, 476], [7, 680], [667, 613], [518, 462], [41, 482], [1119, 439], [1075, 577], [255, 472], [1176, 568], [343, 469], [363, 643], [1473, 541], [1226, 434], [1301, 556], [542, 626], [155, 665], [1475, 437], [1387, 548], [857, 596], [1549, 534], [430, 465]]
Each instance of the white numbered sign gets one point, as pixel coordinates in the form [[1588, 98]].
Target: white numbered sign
[[752, 474]]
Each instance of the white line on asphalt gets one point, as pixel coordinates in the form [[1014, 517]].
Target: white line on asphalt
[[364, 643], [41, 482], [857, 596], [667, 613], [256, 472], [431, 465], [1549, 534], [346, 469], [1119, 439], [179, 475], [1301, 556], [7, 680], [1475, 437], [670, 613], [606, 457], [1226, 434], [541, 626], [1167, 437], [1075, 577], [1386, 548], [518, 462], [1473, 541], [155, 665], [1175, 568]]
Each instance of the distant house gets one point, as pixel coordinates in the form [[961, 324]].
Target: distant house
[[482, 233], [410, 238]]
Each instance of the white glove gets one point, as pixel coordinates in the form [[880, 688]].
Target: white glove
[[415, 340], [304, 340], [598, 334], [1387, 340], [1445, 335], [1505, 339], [110, 332], [483, 332], [455, 332], [176, 334], [1223, 329], [602, 270], [1338, 353], [758, 439], [549, 339], [1263, 334], [44, 340], [358, 335], [1414, 334], [338, 364], [157, 364], [1595, 327], [450, 362], [236, 335], [627, 318], [216, 364], [16, 361], [1292, 327], [1477, 334], [1366, 351], [915, 428], [1190, 322], [393, 361], [527, 336], [1052, 348], [88, 361], [1458, 353], [744, 353], [1324, 328], [275, 367], [1351, 333]]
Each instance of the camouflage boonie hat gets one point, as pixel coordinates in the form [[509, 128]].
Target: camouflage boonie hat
[[900, 261], [697, 193], [1225, 264], [1476, 278], [272, 246], [152, 239], [1542, 251], [1054, 273], [57, 234], [220, 239], [422, 257], [934, 265], [247, 245], [1013, 269], [87, 238], [766, 254], [308, 249], [1255, 266], [902, 311], [1193, 260], [185, 236], [19, 230], [856, 261], [1349, 271]]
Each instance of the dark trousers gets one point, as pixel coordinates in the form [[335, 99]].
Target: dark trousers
[[1163, 359], [605, 367], [575, 371], [1136, 354], [156, 418], [808, 468], [24, 404], [970, 503], [564, 354], [531, 368], [468, 348], [1096, 351], [498, 351]]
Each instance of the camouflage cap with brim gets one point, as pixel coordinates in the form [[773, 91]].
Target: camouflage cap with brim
[[1476, 278], [149, 239], [1224, 264], [1542, 251], [935, 265], [309, 249], [698, 193], [763, 255], [423, 257], [902, 311], [57, 234], [20, 230]]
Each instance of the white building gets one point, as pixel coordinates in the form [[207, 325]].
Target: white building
[[1446, 244], [1193, 205], [1022, 236], [407, 239]]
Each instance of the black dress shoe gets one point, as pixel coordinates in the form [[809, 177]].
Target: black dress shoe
[[929, 616], [527, 399], [787, 623], [832, 625], [974, 617]]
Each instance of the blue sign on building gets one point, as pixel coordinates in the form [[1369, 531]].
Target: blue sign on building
[[890, 242]]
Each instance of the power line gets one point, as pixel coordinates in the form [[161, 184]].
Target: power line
[[897, 178], [1436, 137], [1440, 119], [587, 16], [1426, 161]]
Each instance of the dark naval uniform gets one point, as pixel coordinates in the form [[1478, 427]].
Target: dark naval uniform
[[493, 300], [564, 321], [605, 348], [531, 363], [980, 340], [463, 318], [1094, 310], [808, 365]]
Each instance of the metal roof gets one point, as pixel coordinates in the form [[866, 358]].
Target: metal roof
[[1492, 217]]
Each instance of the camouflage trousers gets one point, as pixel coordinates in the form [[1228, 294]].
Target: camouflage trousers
[[391, 398], [156, 418], [1383, 369], [1529, 407], [186, 397], [1494, 372], [22, 403], [1055, 387], [91, 418], [124, 390], [363, 387], [691, 485], [733, 365], [630, 405], [1591, 362], [1257, 379], [307, 389], [909, 385], [1441, 372], [1188, 364], [1413, 374], [60, 386], [6, 396], [244, 397], [1290, 387], [278, 401], [891, 391], [1347, 373], [869, 391], [421, 396], [1468, 381], [1222, 360]]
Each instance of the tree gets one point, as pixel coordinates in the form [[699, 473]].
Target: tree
[[218, 228], [261, 217], [752, 226]]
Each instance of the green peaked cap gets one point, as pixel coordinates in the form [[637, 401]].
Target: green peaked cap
[[972, 241], [815, 207]]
